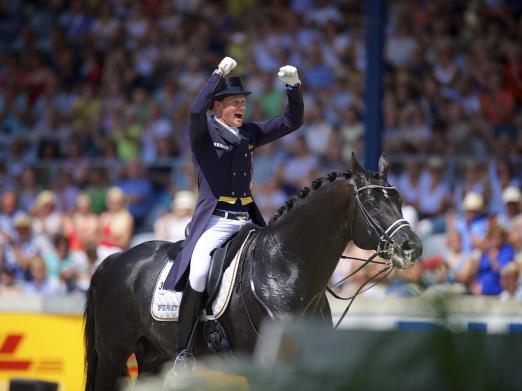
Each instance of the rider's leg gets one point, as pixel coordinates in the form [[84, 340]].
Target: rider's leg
[[218, 231], [189, 310]]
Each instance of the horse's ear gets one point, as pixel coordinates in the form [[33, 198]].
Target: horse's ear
[[356, 167], [384, 166]]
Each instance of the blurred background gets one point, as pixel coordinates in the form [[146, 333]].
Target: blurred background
[[95, 95], [94, 151]]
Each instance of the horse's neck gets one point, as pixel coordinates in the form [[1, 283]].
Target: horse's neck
[[302, 248]]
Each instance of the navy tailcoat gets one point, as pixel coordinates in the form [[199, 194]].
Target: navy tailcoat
[[223, 163]]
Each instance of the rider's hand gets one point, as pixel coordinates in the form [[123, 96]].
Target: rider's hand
[[226, 66], [288, 75]]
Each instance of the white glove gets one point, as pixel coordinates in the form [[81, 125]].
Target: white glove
[[288, 75], [226, 66]]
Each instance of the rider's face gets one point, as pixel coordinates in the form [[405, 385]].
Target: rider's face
[[231, 110]]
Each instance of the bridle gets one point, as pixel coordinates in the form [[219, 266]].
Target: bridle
[[385, 247], [386, 244]]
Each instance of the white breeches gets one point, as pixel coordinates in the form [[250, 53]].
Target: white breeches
[[218, 230]]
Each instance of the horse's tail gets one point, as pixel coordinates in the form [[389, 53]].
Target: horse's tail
[[91, 355]]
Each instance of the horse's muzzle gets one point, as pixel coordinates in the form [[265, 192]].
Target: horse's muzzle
[[407, 254]]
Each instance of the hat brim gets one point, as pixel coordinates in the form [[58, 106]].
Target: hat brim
[[226, 94]]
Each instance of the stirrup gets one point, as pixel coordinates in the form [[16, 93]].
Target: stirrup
[[184, 360]]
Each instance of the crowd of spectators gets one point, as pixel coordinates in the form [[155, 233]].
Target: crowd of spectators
[[94, 99]]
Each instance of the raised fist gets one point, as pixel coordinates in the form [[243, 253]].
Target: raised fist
[[288, 75], [226, 66]]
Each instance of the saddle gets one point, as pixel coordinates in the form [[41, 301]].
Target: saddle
[[221, 258], [165, 303]]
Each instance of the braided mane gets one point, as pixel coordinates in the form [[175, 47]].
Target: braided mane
[[303, 193]]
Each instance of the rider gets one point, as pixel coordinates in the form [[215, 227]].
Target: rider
[[222, 145]]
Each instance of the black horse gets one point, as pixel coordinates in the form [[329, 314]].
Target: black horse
[[285, 272]]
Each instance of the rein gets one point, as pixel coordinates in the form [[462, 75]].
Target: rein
[[387, 270]]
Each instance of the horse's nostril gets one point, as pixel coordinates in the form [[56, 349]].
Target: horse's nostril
[[411, 246], [408, 245]]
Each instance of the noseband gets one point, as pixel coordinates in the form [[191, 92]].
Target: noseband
[[385, 246]]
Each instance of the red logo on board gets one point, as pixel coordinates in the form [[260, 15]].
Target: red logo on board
[[8, 362]]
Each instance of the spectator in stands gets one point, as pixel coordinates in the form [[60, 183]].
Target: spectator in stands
[[136, 185], [405, 282], [475, 181], [401, 44], [509, 283], [332, 160], [127, 135], [351, 131], [20, 251], [6, 181], [18, 156], [38, 282], [66, 190], [8, 282], [456, 260], [459, 131], [270, 98], [497, 103], [105, 27], [434, 192], [81, 228], [501, 176], [67, 268], [8, 213], [268, 158], [97, 189], [512, 218], [172, 226], [86, 270], [76, 163], [270, 197], [27, 188], [434, 274], [317, 131], [320, 75], [473, 226], [47, 219], [414, 129], [57, 257], [449, 270], [116, 225], [495, 255], [298, 165], [157, 126], [408, 183]]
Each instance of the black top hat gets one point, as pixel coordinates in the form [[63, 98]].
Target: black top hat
[[230, 86]]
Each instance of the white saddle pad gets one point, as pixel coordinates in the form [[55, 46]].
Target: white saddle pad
[[165, 303]]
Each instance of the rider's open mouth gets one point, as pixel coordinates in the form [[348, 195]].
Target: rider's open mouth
[[239, 116]]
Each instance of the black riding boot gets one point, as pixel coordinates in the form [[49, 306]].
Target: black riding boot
[[189, 309]]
